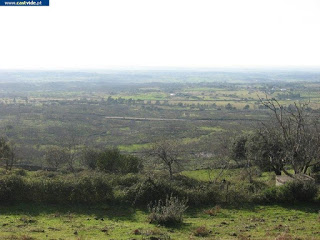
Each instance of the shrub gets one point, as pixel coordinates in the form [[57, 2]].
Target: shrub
[[125, 181], [239, 193], [213, 211], [149, 190], [298, 191], [130, 164], [201, 195], [79, 190], [269, 195], [170, 212], [12, 188], [316, 176], [201, 231], [111, 160], [89, 158], [295, 191], [20, 172]]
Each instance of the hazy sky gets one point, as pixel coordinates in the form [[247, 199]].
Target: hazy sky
[[160, 33]]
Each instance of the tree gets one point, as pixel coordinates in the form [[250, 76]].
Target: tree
[[89, 158], [246, 107], [166, 151], [111, 160], [238, 148], [297, 132], [108, 160], [239, 153], [7, 156], [55, 156], [229, 106], [266, 151], [71, 142], [221, 160]]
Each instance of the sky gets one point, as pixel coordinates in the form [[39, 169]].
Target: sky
[[107, 34]]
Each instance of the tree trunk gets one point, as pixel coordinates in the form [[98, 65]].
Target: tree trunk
[[277, 171], [170, 170], [287, 173]]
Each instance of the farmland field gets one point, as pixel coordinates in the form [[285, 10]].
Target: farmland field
[[133, 110]]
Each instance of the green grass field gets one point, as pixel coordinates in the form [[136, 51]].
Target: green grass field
[[116, 222]]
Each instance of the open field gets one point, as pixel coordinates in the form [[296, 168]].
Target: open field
[[116, 222], [123, 220]]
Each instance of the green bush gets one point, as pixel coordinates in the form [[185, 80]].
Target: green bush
[[269, 195], [125, 181], [79, 189], [207, 194], [111, 160], [12, 189], [316, 176], [295, 191], [20, 172], [89, 158], [150, 190], [168, 212]]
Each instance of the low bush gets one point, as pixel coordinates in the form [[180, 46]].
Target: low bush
[[213, 211], [202, 231], [150, 190], [269, 195], [86, 189], [111, 160], [12, 189], [20, 172], [168, 212], [100, 187], [295, 191], [207, 194], [80, 190]]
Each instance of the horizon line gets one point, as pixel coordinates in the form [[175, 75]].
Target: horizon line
[[166, 68]]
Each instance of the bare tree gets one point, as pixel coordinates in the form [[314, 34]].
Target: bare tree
[[297, 128], [71, 142], [221, 160], [167, 152], [239, 153], [7, 156], [89, 157], [56, 156]]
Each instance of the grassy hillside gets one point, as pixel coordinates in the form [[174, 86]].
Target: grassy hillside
[[122, 222]]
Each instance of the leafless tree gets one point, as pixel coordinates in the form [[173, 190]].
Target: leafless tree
[[72, 145], [298, 129], [221, 160], [7, 155], [56, 156], [167, 152]]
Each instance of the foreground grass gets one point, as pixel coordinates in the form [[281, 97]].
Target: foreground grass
[[116, 222]]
